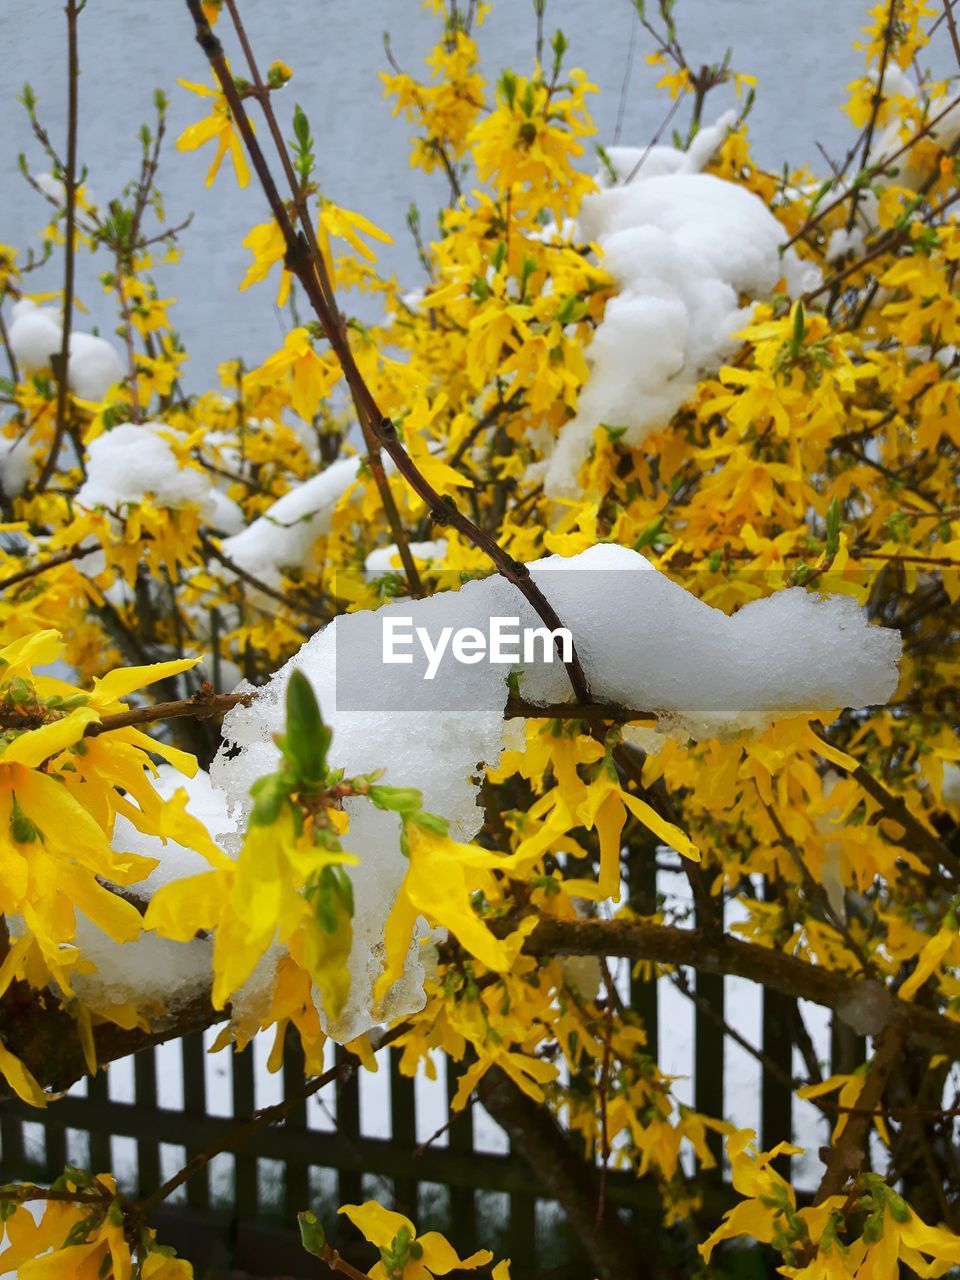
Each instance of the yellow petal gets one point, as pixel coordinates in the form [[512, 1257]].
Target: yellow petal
[[670, 835], [377, 1224], [440, 1256], [20, 1079], [117, 684]]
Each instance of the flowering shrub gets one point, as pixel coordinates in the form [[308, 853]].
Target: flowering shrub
[[664, 358]]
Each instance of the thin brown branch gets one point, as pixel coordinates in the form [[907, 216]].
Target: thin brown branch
[[301, 203], [70, 191], [301, 262], [918, 838], [730, 957], [61, 557], [203, 704], [849, 1152], [296, 606]]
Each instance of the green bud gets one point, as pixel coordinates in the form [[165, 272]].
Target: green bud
[[833, 527], [396, 799], [312, 1235], [431, 822], [22, 829], [269, 794], [799, 330], [307, 737]]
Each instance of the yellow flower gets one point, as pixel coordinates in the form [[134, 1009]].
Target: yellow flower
[[219, 126], [268, 247], [406, 1256]]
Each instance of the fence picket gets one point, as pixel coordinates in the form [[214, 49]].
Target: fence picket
[[403, 1132], [296, 1173], [195, 1106], [708, 1051], [98, 1098], [463, 1201], [349, 1180], [245, 1165], [145, 1092]]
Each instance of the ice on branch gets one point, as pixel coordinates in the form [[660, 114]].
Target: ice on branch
[[36, 336], [689, 252], [136, 461], [283, 537], [645, 643]]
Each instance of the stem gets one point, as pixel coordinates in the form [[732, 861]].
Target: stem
[[62, 557], [375, 424], [201, 705], [70, 190], [301, 204]]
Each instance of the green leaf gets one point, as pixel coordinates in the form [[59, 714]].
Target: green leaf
[[650, 534], [799, 330], [430, 822]]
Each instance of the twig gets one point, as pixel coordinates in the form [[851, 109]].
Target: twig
[[62, 557], [822, 213], [302, 263], [922, 841], [298, 606], [261, 1119], [952, 25], [204, 703], [70, 190], [300, 200], [848, 1154]]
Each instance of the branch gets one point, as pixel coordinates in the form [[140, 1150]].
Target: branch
[[375, 424], [203, 704], [561, 1174], [62, 557], [850, 1151], [70, 189], [300, 200], [667, 944], [922, 840]]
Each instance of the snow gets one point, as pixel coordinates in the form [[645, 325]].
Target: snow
[[950, 789], [155, 973], [135, 461], [284, 536], [16, 463], [384, 559], [689, 252], [632, 164], [842, 242], [644, 642], [36, 335]]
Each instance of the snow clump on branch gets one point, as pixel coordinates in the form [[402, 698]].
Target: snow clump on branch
[[645, 643], [686, 248]]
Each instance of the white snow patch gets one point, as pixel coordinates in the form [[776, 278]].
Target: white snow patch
[[385, 559], [686, 249], [283, 537], [135, 461], [36, 335], [644, 642]]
